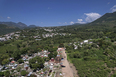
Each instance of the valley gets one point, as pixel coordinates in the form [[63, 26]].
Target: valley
[[78, 50]]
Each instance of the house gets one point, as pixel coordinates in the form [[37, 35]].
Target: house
[[2, 39], [85, 41], [29, 74]]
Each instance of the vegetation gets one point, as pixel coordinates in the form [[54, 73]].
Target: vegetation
[[96, 58], [24, 73], [36, 62], [4, 29]]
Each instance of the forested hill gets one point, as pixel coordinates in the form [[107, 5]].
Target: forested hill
[[4, 29], [13, 24], [108, 19]]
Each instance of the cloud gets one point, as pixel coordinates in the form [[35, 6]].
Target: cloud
[[108, 3], [8, 18], [59, 22], [49, 8], [80, 21], [113, 8], [91, 16], [71, 22], [65, 23]]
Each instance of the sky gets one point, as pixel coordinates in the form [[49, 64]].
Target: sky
[[54, 12]]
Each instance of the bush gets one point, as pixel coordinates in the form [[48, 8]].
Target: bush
[[1, 74], [32, 75], [18, 69], [114, 75], [23, 73], [20, 61], [7, 73]]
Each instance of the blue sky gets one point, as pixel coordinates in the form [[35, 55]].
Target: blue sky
[[54, 12]]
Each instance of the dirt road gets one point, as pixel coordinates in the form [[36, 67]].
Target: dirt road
[[66, 71]]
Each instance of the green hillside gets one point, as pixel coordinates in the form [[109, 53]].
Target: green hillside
[[4, 29], [108, 19]]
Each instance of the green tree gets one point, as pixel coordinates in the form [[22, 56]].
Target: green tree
[[1, 74], [5, 61], [7, 73], [36, 62], [24, 73], [20, 61]]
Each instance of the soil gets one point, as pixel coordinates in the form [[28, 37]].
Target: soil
[[69, 70]]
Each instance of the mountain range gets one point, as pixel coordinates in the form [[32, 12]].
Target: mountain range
[[20, 25], [4, 29], [108, 19]]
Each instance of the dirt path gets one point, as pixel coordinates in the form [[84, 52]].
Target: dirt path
[[66, 71]]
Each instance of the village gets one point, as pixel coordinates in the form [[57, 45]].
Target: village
[[55, 67], [52, 68]]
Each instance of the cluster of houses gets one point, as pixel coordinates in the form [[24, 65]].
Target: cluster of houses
[[48, 69], [81, 43], [53, 34], [9, 36]]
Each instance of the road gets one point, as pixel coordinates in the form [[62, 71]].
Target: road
[[67, 70]]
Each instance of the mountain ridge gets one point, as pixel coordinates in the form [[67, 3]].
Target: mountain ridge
[[13, 24]]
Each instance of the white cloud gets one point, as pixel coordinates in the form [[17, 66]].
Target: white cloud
[[79, 20], [71, 22], [59, 22], [49, 8], [65, 23], [108, 3], [91, 16], [113, 8], [8, 18]]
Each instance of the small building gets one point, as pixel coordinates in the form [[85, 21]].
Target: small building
[[85, 41]]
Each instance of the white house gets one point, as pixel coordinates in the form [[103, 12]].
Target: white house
[[85, 41]]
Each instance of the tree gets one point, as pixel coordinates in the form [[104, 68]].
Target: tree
[[16, 55], [7, 73], [23, 72], [52, 54], [33, 75], [20, 61], [1, 74], [1, 44], [5, 61], [36, 62], [61, 45]]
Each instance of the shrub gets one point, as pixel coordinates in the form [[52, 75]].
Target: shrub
[[1, 74], [7, 73], [32, 75], [114, 75], [18, 69], [23, 73], [20, 61]]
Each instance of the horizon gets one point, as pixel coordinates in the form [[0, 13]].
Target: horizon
[[54, 13]]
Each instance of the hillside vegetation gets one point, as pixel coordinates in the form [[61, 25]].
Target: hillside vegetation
[[4, 29], [95, 58]]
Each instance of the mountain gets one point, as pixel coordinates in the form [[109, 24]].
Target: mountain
[[107, 19], [4, 29], [32, 26], [19, 24]]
